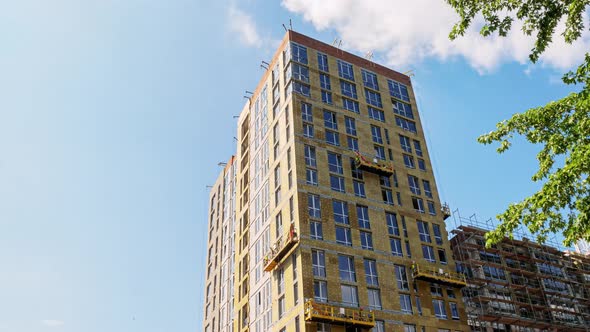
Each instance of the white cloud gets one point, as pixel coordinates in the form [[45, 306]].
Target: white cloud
[[243, 26], [53, 322], [407, 32]]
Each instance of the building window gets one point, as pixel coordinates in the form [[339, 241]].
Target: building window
[[421, 164], [418, 148], [340, 210], [322, 62], [398, 90], [437, 234], [330, 120], [427, 190], [318, 263], [316, 232], [371, 272], [332, 138], [325, 81], [408, 250], [431, 208], [359, 188], [423, 231], [343, 236], [373, 98], [327, 97], [392, 226], [353, 143], [379, 326], [414, 185], [406, 124], [362, 213], [351, 105], [308, 130], [281, 281], [405, 303], [311, 176], [313, 206], [323, 327], [301, 88], [370, 80], [320, 291], [402, 277], [428, 253], [418, 305], [405, 143], [349, 295], [451, 293], [335, 163], [385, 181], [366, 240], [348, 89], [379, 152], [306, 112], [281, 306], [439, 309], [396, 247], [409, 328], [350, 125], [298, 53], [337, 183], [376, 134], [309, 152], [454, 310], [409, 161], [346, 268], [418, 204], [387, 196], [374, 299], [376, 114], [345, 70], [300, 72], [402, 109], [279, 225]]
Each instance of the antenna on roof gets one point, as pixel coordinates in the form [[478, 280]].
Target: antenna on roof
[[409, 73], [369, 55], [290, 24], [284, 27], [264, 65], [340, 43], [335, 41]]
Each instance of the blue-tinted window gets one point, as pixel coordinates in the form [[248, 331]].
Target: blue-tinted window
[[348, 89], [373, 98], [406, 124], [405, 303], [306, 112], [418, 148], [392, 226], [340, 210], [428, 253], [362, 213], [371, 273], [366, 240], [423, 231], [376, 134], [337, 183], [325, 81], [330, 120], [370, 80], [376, 114], [402, 109], [300, 72], [427, 190], [350, 125], [405, 143], [346, 268], [351, 105], [421, 164], [345, 70], [353, 143], [327, 97], [398, 90], [316, 232], [332, 138], [359, 188], [298, 53], [343, 236], [414, 184], [322, 62], [396, 247], [301, 88], [409, 161], [335, 163], [437, 234]]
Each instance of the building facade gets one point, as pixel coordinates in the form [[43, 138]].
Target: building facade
[[338, 222], [219, 275], [519, 285]]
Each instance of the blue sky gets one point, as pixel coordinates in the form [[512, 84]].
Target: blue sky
[[114, 115]]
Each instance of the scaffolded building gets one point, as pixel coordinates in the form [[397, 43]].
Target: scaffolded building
[[520, 285], [338, 223]]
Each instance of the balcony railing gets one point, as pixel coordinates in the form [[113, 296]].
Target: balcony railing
[[326, 313], [280, 248], [374, 166], [438, 275]]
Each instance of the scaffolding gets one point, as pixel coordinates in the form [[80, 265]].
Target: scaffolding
[[518, 284], [281, 249]]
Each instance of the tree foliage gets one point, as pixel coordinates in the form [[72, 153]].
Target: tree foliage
[[562, 127]]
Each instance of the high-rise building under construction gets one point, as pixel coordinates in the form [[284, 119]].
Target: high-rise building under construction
[[328, 217]]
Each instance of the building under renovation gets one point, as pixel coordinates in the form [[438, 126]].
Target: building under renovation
[[520, 285]]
